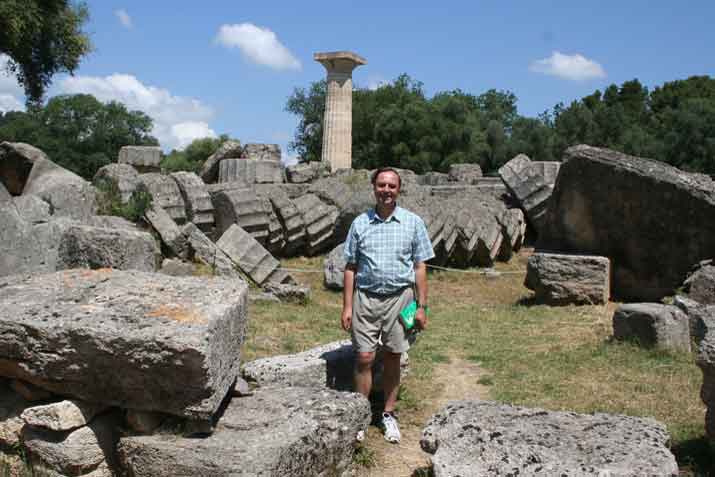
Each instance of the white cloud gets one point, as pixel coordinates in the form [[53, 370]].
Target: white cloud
[[258, 44], [124, 18], [571, 67], [177, 119], [374, 82], [11, 93]]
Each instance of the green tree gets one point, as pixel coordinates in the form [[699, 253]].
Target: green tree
[[194, 155], [309, 106], [42, 37]]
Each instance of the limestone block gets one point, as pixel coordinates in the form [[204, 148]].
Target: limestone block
[[142, 158], [653, 220], [12, 405], [700, 285], [333, 268], [488, 438], [202, 249], [4, 194], [16, 162], [199, 208], [276, 432], [306, 172], [248, 171], [706, 362], [319, 221], [131, 339], [251, 257], [142, 421], [244, 208], [466, 173], [513, 226], [531, 184], [433, 179], [176, 268], [112, 222], [288, 292], [263, 152], [563, 279], [652, 325], [82, 452], [84, 246], [291, 220], [699, 316], [229, 149], [167, 229], [276, 237], [121, 177], [63, 415], [165, 194]]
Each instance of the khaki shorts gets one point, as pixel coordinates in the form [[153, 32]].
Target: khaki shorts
[[376, 318]]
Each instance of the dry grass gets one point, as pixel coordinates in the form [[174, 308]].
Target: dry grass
[[558, 358]]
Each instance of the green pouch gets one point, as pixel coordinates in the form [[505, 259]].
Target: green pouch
[[407, 315]]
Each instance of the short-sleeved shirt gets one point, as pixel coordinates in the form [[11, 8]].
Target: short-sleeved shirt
[[385, 251]]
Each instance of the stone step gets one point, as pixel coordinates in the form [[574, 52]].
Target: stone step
[[199, 208], [165, 194]]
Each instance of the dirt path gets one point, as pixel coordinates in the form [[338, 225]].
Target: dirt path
[[457, 380]]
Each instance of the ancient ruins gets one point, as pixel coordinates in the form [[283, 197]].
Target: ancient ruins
[[116, 360]]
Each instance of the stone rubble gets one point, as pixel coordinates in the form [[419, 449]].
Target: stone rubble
[[565, 279], [229, 149], [141, 158], [653, 325], [165, 194], [199, 208], [319, 221], [243, 208]]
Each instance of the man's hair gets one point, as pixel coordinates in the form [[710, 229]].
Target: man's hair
[[373, 179]]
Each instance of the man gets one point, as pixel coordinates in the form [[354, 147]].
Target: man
[[386, 250]]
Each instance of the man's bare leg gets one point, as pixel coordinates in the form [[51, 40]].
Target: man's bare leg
[[363, 373], [391, 379]]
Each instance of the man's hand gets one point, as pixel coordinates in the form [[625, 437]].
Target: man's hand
[[421, 318], [346, 319]]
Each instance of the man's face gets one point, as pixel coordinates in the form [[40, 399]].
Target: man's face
[[387, 188]]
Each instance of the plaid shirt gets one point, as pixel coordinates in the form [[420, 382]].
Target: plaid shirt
[[385, 251]]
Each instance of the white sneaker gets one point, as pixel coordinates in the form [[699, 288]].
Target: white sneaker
[[390, 428]]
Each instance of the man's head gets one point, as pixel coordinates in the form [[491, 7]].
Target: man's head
[[386, 185]]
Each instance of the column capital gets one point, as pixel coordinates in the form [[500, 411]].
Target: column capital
[[339, 61]]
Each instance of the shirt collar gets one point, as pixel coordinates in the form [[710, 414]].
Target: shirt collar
[[397, 215]]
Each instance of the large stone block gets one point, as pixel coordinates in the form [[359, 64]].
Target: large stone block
[[165, 194], [251, 257], [563, 279], [130, 339], [700, 285], [466, 173], [62, 416], [4, 194], [249, 171], [652, 220], [167, 229], [202, 249], [276, 432], [244, 208], [229, 149], [121, 177], [262, 152], [306, 172], [319, 221], [333, 268], [475, 438], [142, 158], [652, 325], [199, 208], [11, 407]]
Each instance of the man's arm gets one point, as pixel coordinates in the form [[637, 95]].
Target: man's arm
[[348, 288], [421, 284]]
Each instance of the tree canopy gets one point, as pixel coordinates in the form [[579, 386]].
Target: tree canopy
[[42, 38], [193, 157], [78, 131], [398, 125]]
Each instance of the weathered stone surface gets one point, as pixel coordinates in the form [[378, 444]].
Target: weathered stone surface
[[333, 268], [229, 149], [175, 340], [244, 208], [166, 194], [176, 268], [277, 432], [63, 415], [24, 169], [249, 171], [698, 316], [262, 152], [112, 222], [142, 158], [306, 172], [652, 220], [11, 407], [82, 452], [700, 285], [349, 191], [4, 194], [242, 388], [562, 279], [121, 177], [706, 361], [652, 325], [199, 208], [433, 179], [202, 249], [29, 392], [167, 229], [319, 221], [143, 422], [251, 257], [486, 438], [83, 246], [532, 184], [513, 226], [466, 173], [288, 292]]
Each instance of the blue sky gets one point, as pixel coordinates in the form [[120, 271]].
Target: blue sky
[[212, 67]]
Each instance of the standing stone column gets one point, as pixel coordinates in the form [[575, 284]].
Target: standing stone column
[[338, 120]]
